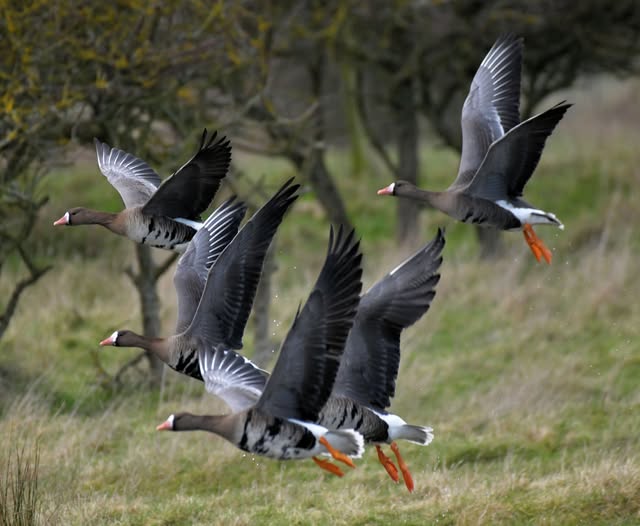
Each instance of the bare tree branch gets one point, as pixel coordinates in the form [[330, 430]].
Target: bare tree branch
[[117, 378], [21, 286], [165, 265]]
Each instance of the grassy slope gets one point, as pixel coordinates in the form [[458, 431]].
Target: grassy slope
[[527, 373]]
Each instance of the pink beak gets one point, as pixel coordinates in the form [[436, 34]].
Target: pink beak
[[64, 220], [387, 190], [165, 426], [107, 341]]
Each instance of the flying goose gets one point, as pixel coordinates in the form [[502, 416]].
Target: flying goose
[[281, 423], [163, 215], [499, 153], [366, 377], [216, 312]]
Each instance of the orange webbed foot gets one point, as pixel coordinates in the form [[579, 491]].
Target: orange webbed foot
[[337, 454], [388, 464], [406, 475], [328, 466], [535, 244]]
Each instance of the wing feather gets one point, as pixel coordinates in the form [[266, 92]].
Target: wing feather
[[371, 358], [133, 178], [492, 106], [201, 254], [304, 374]]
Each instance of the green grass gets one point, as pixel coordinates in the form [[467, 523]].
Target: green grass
[[528, 373]]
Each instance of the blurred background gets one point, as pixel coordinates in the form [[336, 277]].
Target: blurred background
[[527, 373]]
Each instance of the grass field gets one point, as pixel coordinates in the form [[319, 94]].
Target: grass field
[[528, 373]]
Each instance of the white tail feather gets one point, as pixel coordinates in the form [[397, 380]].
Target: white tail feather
[[346, 441], [400, 430], [417, 434]]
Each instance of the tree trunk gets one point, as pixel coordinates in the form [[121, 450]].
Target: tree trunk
[[145, 282], [319, 178], [326, 191], [356, 150], [261, 306], [407, 226]]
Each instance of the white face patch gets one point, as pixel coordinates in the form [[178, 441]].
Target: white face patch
[[170, 420], [114, 338], [67, 218]]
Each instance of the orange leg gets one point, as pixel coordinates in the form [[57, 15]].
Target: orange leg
[[535, 244], [388, 464], [408, 479], [337, 454], [331, 468]]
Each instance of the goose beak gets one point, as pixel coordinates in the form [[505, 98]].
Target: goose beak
[[111, 340], [165, 426], [387, 190], [64, 220]]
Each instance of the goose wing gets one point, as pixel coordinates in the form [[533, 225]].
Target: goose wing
[[201, 254], [133, 179], [304, 374], [492, 106], [371, 359], [190, 190]]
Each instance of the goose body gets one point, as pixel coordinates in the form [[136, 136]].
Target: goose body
[[260, 433], [499, 153], [163, 215], [281, 423], [210, 310]]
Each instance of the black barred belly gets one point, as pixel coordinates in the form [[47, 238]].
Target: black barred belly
[[274, 437], [188, 364], [344, 413], [164, 232]]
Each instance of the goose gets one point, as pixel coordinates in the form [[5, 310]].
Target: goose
[[163, 215], [281, 423], [499, 153], [366, 377], [215, 311]]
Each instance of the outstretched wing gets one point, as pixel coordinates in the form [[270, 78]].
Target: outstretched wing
[[371, 358], [134, 179], [510, 161], [227, 374], [201, 254], [492, 107], [190, 190], [231, 284], [304, 374]]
